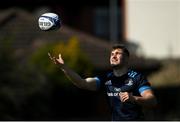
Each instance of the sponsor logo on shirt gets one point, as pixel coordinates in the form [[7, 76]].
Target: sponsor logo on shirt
[[117, 89], [115, 92], [129, 82], [108, 82], [111, 94]]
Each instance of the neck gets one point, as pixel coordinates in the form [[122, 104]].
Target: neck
[[120, 71]]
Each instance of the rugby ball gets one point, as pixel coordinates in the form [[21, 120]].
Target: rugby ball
[[49, 21]]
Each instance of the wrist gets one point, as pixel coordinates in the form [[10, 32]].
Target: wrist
[[63, 67]]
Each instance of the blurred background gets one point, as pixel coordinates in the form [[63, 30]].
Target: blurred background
[[32, 88]]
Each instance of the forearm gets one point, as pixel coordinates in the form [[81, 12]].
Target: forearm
[[74, 77], [149, 101]]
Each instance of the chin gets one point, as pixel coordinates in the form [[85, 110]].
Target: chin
[[115, 65]]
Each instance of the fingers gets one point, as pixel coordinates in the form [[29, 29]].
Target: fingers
[[52, 58], [124, 96], [55, 60], [60, 60], [49, 55], [59, 56]]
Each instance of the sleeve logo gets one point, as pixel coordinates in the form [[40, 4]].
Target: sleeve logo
[[129, 82]]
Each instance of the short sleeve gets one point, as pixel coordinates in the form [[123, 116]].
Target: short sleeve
[[100, 81], [143, 83]]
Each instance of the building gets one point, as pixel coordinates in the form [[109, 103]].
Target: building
[[155, 26]]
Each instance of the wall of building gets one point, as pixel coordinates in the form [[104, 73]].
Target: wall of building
[[155, 26]]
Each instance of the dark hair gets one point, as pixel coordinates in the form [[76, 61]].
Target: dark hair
[[121, 46]]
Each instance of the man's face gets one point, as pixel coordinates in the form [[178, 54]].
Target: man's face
[[117, 58]]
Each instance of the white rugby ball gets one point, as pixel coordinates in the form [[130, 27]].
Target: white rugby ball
[[49, 21]]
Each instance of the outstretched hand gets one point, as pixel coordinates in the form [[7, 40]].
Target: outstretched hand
[[55, 60]]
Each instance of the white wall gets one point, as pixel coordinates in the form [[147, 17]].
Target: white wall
[[155, 25]]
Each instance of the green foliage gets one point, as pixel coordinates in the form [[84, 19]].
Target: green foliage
[[7, 81], [27, 86], [72, 55], [17, 79]]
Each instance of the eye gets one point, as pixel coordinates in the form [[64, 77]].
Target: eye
[[117, 52], [112, 54]]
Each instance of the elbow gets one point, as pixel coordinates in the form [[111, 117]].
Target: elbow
[[85, 86]]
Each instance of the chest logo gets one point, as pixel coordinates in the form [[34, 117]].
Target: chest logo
[[129, 82], [108, 82], [117, 89]]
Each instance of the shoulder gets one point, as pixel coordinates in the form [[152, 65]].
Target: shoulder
[[134, 74], [101, 79], [105, 76]]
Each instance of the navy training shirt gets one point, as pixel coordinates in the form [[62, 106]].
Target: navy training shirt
[[132, 82]]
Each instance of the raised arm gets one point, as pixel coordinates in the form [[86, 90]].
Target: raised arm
[[88, 83]]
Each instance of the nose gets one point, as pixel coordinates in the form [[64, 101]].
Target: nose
[[114, 57]]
